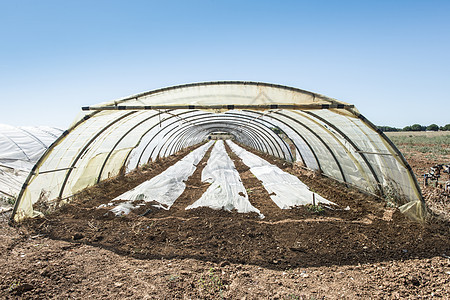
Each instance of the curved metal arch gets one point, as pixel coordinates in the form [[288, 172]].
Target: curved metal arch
[[182, 142], [261, 121], [392, 145], [357, 150], [44, 156], [255, 132], [188, 134], [236, 119], [200, 115], [199, 125], [147, 131], [298, 134], [155, 135], [44, 130], [32, 136], [272, 137], [321, 140], [255, 143], [269, 130], [238, 134], [119, 140], [20, 148], [69, 171], [210, 83]]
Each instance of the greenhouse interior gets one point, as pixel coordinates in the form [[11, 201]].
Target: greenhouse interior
[[315, 132]]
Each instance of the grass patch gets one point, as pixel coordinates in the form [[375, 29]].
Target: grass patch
[[317, 209], [211, 283], [8, 200], [437, 144]]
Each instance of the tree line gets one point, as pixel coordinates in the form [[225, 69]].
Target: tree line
[[417, 127]]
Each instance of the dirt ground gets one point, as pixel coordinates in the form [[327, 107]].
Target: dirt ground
[[359, 249]]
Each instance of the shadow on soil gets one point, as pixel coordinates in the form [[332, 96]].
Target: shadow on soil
[[301, 239]]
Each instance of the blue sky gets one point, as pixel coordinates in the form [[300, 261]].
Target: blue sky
[[389, 58]]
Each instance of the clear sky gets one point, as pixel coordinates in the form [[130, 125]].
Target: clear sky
[[389, 58]]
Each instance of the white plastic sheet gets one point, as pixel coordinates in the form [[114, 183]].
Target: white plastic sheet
[[164, 188], [285, 189], [11, 180], [20, 148], [226, 190]]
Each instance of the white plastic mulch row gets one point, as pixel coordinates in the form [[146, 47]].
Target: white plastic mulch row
[[226, 190], [285, 190], [164, 188]]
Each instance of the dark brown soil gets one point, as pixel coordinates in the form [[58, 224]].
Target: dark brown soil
[[257, 194], [368, 251]]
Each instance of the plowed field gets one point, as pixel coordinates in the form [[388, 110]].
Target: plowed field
[[360, 249]]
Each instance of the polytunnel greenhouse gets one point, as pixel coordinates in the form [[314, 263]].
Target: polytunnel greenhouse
[[20, 149], [311, 130]]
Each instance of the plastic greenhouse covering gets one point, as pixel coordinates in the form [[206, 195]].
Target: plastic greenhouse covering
[[312, 130], [20, 149]]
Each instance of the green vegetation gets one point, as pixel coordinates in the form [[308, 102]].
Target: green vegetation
[[8, 200], [445, 128], [15, 284], [389, 129], [211, 283], [416, 127], [438, 144], [317, 209], [433, 127]]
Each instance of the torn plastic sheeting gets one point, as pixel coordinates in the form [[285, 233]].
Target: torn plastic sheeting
[[123, 208], [226, 190], [166, 187], [285, 189]]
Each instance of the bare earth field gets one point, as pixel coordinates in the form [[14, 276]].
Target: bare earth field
[[367, 251]]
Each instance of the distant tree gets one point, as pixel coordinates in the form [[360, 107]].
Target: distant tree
[[445, 128], [432, 127], [388, 128], [407, 128], [417, 127]]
